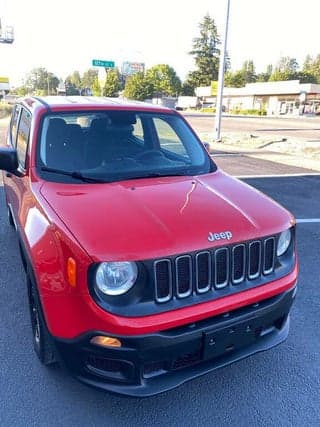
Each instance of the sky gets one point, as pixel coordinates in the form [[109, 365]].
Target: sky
[[66, 35]]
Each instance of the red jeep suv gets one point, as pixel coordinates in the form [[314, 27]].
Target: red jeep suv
[[146, 265]]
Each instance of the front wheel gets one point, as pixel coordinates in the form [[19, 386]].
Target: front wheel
[[42, 341]]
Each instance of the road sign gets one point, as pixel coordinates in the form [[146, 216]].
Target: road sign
[[102, 63]]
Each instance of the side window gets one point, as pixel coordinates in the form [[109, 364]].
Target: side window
[[138, 130], [168, 138], [23, 136], [14, 125]]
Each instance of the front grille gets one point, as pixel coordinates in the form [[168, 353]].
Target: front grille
[[215, 269]]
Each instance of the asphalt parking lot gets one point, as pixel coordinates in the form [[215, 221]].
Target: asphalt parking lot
[[280, 387]]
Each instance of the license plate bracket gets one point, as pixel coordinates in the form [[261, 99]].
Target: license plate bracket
[[230, 338]]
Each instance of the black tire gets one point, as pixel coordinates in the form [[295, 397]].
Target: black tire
[[42, 341]]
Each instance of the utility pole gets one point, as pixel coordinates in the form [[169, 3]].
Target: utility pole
[[221, 77]]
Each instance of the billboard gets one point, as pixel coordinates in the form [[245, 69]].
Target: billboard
[[129, 68], [4, 85]]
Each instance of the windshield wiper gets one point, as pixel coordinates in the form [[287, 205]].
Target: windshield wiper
[[154, 175], [73, 174]]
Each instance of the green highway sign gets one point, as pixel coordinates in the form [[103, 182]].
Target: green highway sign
[[102, 63]]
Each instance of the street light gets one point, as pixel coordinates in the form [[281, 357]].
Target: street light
[[221, 77]]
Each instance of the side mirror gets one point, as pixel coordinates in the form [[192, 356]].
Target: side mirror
[[206, 146], [9, 160]]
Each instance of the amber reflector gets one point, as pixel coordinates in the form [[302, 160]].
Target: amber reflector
[[105, 341], [72, 272]]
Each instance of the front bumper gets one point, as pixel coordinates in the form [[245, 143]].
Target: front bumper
[[149, 364]]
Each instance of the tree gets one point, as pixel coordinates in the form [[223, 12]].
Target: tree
[[138, 87], [41, 82], [164, 80], [187, 89], [88, 78], [71, 89], [21, 91], [287, 64], [240, 77], [311, 67], [265, 76], [306, 77], [74, 79], [249, 72], [286, 69], [96, 88], [234, 79], [206, 54], [53, 83], [73, 83], [112, 84]]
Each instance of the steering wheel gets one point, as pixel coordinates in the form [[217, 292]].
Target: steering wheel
[[149, 154]]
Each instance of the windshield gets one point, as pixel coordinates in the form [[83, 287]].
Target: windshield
[[118, 145]]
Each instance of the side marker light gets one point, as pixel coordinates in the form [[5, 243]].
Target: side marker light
[[72, 272]]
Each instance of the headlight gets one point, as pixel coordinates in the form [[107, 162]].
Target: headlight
[[116, 278], [283, 242]]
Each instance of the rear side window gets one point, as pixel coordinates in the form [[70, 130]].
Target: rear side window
[[14, 125], [138, 132], [168, 138], [23, 137]]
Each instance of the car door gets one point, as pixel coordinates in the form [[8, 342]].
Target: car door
[[16, 187]]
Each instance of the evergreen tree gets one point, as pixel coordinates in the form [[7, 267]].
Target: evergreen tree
[[249, 72], [206, 54]]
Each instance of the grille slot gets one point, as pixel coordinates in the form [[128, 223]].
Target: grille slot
[[184, 276], [269, 255], [221, 268], [238, 263], [163, 280], [203, 272], [254, 259], [214, 269]]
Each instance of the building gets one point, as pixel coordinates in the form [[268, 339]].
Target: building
[[275, 98]]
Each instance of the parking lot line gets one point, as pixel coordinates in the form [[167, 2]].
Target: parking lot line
[[308, 220]]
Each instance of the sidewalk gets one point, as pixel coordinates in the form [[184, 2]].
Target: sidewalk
[[291, 151]]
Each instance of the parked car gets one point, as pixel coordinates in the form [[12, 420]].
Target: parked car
[[146, 265]]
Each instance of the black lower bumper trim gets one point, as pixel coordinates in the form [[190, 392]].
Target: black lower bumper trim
[[151, 364]]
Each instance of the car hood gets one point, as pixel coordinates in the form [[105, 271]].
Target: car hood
[[156, 217]]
